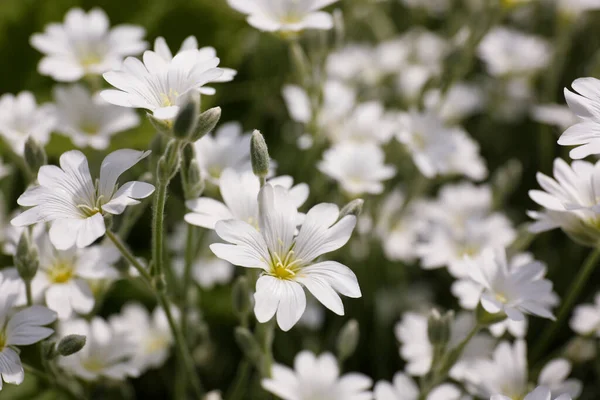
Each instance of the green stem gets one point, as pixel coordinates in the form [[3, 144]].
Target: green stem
[[28, 293], [573, 292], [52, 381], [158, 214], [265, 335], [239, 383], [129, 257], [187, 278]]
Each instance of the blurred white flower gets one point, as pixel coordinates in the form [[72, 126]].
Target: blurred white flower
[[107, 352], [21, 328], [574, 8], [514, 292], [586, 318], [68, 197], [160, 86], [554, 114], [437, 149], [404, 387], [585, 104], [239, 191], [87, 119], [84, 45], [287, 259], [313, 316], [4, 171], [204, 54], [340, 162], [149, 333], [461, 101], [20, 118], [506, 51], [539, 393], [357, 64], [367, 123], [316, 378], [285, 15]]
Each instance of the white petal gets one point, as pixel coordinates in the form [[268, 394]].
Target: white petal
[[25, 327], [113, 167]]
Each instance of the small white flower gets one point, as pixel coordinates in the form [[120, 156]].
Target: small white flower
[[84, 45], [340, 163], [513, 291], [460, 101], [20, 118], [586, 318], [107, 352], [554, 114], [204, 54], [539, 393], [160, 86], [21, 328], [316, 378], [507, 51], [150, 334], [87, 119], [574, 8], [358, 64], [240, 199], [404, 387], [285, 15], [287, 259], [68, 198]]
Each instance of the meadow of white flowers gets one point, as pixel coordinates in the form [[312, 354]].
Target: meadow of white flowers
[[382, 235]]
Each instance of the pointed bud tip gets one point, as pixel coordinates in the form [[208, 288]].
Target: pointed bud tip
[[71, 344], [259, 154]]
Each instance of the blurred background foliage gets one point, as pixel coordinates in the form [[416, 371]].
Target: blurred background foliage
[[254, 99]]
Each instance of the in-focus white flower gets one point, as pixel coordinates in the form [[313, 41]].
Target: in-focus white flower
[[20, 118], [160, 86], [21, 328], [569, 201], [287, 259], [84, 45], [340, 163], [87, 119], [403, 387], [513, 291], [204, 54], [440, 150], [285, 15], [585, 104], [460, 101], [507, 51], [240, 199], [554, 114], [68, 197], [150, 335], [586, 318], [316, 378], [107, 352]]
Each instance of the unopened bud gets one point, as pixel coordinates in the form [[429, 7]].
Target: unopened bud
[[485, 318], [168, 164], [248, 344], [353, 208], [439, 327], [259, 154], [186, 120], [35, 155], [206, 123], [71, 344], [241, 297], [191, 178], [26, 257], [347, 340], [49, 350]]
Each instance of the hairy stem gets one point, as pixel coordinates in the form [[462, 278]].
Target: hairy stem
[[129, 256], [158, 215]]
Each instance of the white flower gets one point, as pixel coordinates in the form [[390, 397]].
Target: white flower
[[20, 118], [285, 15], [440, 150], [107, 352], [357, 64], [68, 198], [460, 101], [316, 378], [507, 51], [21, 328], [84, 45], [314, 315], [87, 119], [204, 54], [240, 199], [569, 201], [539, 393], [404, 387], [228, 147], [513, 291], [287, 259], [586, 318], [554, 114], [585, 104], [158, 85], [574, 8], [150, 334], [340, 163]]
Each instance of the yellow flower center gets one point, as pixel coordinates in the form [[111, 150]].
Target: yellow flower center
[[155, 344], [89, 129], [90, 59], [61, 272], [168, 99], [501, 297], [286, 267], [93, 364]]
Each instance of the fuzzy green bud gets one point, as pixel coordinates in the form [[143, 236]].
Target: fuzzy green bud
[[248, 344], [347, 340], [439, 327], [241, 297], [35, 155], [168, 164], [186, 120], [206, 122], [259, 154], [191, 178], [353, 208], [70, 344], [26, 258]]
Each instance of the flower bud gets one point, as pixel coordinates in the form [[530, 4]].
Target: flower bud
[[241, 297], [485, 318], [347, 340], [70, 344], [259, 154], [191, 178], [26, 257], [206, 123], [168, 164], [353, 208], [439, 327], [49, 350], [35, 155], [248, 344], [186, 120]]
